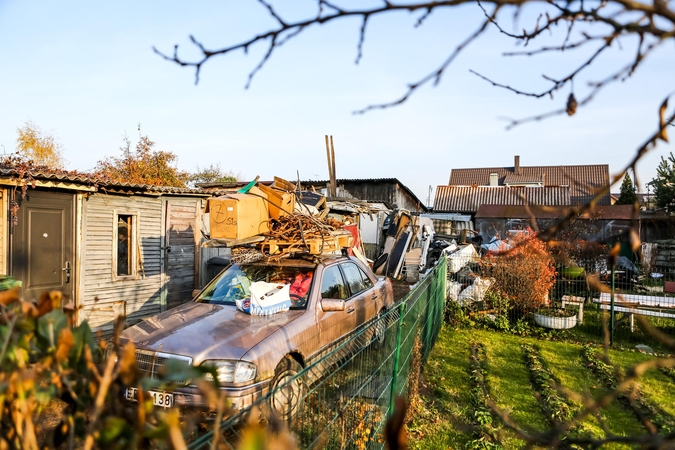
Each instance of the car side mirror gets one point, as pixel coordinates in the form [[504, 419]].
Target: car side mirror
[[332, 304]]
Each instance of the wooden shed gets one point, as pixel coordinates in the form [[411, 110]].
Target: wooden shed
[[112, 248]]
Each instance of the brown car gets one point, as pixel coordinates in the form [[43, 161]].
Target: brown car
[[256, 353]]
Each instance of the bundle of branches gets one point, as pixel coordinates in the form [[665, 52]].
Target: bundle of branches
[[300, 227], [298, 230]]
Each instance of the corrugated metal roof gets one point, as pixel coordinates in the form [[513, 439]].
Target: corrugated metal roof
[[467, 199], [367, 180], [102, 185], [606, 212], [584, 180]]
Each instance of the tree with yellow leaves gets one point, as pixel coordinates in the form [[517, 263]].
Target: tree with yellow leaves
[[144, 165], [40, 146]]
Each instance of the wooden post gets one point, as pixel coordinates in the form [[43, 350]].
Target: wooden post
[[330, 170], [333, 182]]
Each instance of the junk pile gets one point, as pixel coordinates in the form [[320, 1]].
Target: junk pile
[[406, 246], [464, 284], [276, 221]]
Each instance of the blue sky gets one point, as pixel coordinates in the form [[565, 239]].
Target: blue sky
[[86, 71]]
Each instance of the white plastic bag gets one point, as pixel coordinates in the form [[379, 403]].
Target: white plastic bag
[[475, 292], [266, 299], [453, 290]]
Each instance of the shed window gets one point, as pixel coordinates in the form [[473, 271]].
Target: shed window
[[125, 256]]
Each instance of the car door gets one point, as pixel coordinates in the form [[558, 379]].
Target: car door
[[362, 293], [334, 324]]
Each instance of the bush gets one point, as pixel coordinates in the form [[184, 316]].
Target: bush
[[523, 272]]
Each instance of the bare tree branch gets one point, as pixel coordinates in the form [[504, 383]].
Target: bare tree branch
[[653, 25], [435, 76]]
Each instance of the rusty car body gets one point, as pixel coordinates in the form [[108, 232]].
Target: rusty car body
[[254, 354]]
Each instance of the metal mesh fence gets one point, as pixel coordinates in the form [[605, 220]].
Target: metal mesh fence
[[343, 399], [587, 302]]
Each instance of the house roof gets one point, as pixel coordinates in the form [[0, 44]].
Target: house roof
[[467, 199], [367, 180], [515, 178], [583, 180], [82, 181], [606, 212]]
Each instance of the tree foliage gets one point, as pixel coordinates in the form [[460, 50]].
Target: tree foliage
[[628, 195], [212, 174], [664, 183], [143, 165], [522, 271], [39, 146]]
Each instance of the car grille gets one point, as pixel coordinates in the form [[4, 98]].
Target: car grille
[[152, 364]]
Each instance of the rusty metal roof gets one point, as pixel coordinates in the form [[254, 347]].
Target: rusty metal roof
[[368, 181], [606, 212], [75, 178], [467, 199], [583, 180]]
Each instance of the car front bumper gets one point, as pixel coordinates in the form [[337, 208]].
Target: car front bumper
[[240, 398]]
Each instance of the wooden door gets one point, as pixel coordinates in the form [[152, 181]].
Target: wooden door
[[42, 243], [180, 250]]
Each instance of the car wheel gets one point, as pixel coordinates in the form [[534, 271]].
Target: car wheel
[[379, 330], [287, 390]]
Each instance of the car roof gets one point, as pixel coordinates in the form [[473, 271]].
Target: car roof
[[299, 262]]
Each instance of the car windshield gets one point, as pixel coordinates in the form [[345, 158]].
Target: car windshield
[[235, 283]]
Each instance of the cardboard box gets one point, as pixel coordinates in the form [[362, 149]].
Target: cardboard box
[[281, 203], [237, 216]]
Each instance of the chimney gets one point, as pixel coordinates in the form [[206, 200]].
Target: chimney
[[494, 179], [516, 164]]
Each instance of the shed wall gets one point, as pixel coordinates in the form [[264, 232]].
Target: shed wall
[[182, 237], [388, 192], [4, 236], [99, 290]]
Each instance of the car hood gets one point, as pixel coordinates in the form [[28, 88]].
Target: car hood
[[204, 331]]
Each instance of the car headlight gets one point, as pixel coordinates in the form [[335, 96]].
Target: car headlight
[[232, 371]]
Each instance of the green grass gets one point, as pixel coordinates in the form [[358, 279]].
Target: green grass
[[566, 363], [510, 380], [446, 374], [657, 388], [440, 419]]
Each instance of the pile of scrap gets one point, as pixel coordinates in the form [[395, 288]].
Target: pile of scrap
[[275, 221], [406, 246]]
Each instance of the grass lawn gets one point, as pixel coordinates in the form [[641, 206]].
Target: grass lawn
[[446, 408]]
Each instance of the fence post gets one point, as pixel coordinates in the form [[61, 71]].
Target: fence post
[[397, 354], [611, 309], [430, 315]]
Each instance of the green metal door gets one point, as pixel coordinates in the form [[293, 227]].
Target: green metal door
[[42, 250]]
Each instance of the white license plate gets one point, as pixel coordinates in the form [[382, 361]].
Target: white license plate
[[163, 399]]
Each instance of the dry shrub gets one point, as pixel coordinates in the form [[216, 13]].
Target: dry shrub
[[522, 271]]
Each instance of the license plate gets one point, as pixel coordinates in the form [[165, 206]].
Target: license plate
[[163, 399]]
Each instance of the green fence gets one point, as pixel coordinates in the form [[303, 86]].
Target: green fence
[[348, 393]]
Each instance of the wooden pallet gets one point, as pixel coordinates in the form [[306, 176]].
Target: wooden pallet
[[315, 246]]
